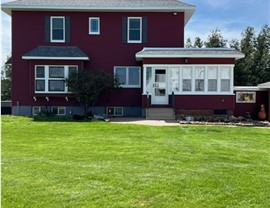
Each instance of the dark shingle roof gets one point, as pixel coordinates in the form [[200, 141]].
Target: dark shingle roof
[[57, 53], [189, 53], [101, 5]]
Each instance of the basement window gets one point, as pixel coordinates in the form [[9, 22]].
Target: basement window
[[115, 111]]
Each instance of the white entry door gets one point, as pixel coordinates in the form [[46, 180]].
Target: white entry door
[[160, 94]]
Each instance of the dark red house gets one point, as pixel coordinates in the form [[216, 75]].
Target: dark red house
[[140, 41]]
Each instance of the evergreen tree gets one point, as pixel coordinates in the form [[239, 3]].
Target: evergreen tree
[[198, 43], [189, 43], [215, 40], [261, 65], [244, 67]]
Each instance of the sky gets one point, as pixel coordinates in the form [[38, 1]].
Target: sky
[[231, 17]]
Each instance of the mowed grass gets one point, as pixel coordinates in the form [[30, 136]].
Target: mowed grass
[[99, 164]]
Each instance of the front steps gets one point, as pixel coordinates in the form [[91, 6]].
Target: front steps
[[160, 114]]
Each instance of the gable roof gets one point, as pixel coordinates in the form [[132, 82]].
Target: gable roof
[[101, 5], [189, 53], [56, 53]]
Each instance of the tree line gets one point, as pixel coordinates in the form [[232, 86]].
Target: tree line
[[252, 70]]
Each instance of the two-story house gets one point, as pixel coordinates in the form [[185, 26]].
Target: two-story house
[[140, 41]]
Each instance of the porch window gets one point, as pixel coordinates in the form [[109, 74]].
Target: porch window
[[199, 78], [128, 77], [225, 79], [187, 78], [174, 80], [212, 79], [51, 79]]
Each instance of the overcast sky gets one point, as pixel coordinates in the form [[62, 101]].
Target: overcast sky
[[231, 17]]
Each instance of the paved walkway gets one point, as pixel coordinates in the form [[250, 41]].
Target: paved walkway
[[143, 121]]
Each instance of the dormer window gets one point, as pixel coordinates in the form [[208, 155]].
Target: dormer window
[[57, 29]]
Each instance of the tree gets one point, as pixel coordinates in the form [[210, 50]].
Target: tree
[[244, 67], [216, 40], [189, 43], [6, 74], [88, 85], [261, 65], [198, 43]]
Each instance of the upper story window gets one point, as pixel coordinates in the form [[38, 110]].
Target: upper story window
[[51, 79], [128, 77], [94, 25], [134, 30], [57, 29]]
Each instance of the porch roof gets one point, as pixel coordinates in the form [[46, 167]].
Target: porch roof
[[188, 53], [56, 53], [265, 85]]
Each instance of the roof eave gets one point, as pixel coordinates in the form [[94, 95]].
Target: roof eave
[[54, 58], [140, 57], [189, 10]]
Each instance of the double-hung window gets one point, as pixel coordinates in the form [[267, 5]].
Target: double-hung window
[[57, 29], [199, 79], [212, 78], [51, 79], [94, 25], [225, 74], [134, 30], [129, 77]]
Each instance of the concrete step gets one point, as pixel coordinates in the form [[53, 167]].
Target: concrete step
[[160, 113]]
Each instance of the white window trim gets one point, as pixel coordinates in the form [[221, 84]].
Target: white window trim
[[51, 29], [244, 101], [192, 92], [128, 29], [127, 76], [94, 33], [114, 111], [58, 110], [47, 78]]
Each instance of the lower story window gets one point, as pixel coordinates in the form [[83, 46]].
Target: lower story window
[[129, 77], [58, 110], [115, 111], [245, 97], [51, 79]]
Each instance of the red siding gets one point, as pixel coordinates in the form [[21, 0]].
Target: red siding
[[200, 102], [105, 50], [204, 102], [190, 61]]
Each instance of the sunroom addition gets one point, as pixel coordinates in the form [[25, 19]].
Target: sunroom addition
[[187, 72]]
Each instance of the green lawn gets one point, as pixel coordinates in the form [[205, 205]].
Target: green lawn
[[98, 164]]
